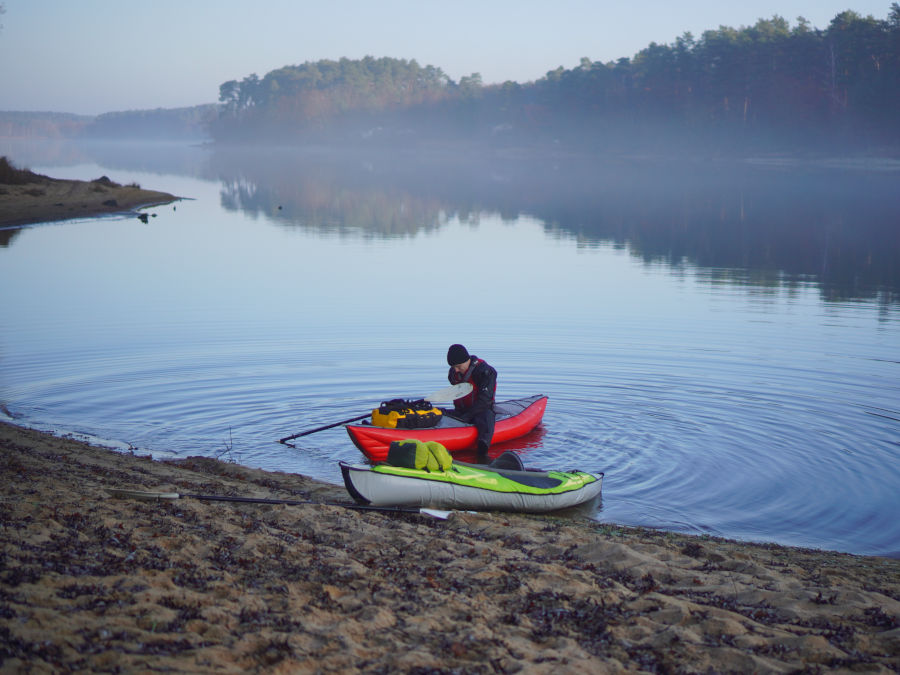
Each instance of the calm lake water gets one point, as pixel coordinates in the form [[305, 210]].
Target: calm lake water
[[723, 340]]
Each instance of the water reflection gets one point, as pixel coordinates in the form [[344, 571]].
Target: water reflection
[[742, 224], [771, 225], [7, 236], [326, 198]]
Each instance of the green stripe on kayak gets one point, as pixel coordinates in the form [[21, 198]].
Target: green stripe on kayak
[[528, 482]]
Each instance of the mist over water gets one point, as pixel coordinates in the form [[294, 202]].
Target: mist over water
[[720, 338]]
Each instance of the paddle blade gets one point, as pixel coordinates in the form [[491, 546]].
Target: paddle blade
[[436, 513], [450, 394]]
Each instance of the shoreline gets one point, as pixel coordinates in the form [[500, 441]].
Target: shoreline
[[44, 199], [91, 582]]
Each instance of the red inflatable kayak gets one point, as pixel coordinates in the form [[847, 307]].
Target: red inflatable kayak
[[514, 418]]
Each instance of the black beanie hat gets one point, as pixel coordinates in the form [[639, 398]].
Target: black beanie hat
[[457, 354]]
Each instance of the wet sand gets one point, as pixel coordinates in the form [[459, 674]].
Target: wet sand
[[49, 199], [93, 583]]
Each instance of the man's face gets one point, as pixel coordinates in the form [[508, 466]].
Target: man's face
[[462, 367]]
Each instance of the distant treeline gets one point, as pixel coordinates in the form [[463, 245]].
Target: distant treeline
[[768, 85], [161, 123], [41, 124]]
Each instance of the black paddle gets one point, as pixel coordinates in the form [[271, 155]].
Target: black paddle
[[166, 496], [327, 426]]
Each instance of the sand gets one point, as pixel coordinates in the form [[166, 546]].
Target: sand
[[50, 199], [92, 583]]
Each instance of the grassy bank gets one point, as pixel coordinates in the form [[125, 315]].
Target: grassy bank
[[27, 197]]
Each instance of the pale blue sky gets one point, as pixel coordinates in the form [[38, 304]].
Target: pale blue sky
[[95, 56]]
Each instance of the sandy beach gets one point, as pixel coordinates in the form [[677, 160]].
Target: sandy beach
[[96, 583], [26, 197]]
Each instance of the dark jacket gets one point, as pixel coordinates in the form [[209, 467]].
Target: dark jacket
[[484, 384]]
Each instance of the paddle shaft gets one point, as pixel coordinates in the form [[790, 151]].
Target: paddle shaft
[[327, 426], [159, 496], [294, 502]]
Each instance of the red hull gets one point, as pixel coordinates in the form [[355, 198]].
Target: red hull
[[373, 441]]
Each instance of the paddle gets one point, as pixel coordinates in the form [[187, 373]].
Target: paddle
[[327, 426], [445, 395], [157, 496], [450, 394]]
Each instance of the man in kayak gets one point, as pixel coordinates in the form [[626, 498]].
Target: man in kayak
[[476, 407]]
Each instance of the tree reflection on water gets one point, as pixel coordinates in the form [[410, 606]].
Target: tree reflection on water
[[771, 225]]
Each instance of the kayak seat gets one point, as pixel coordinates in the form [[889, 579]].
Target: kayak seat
[[536, 480], [508, 460]]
